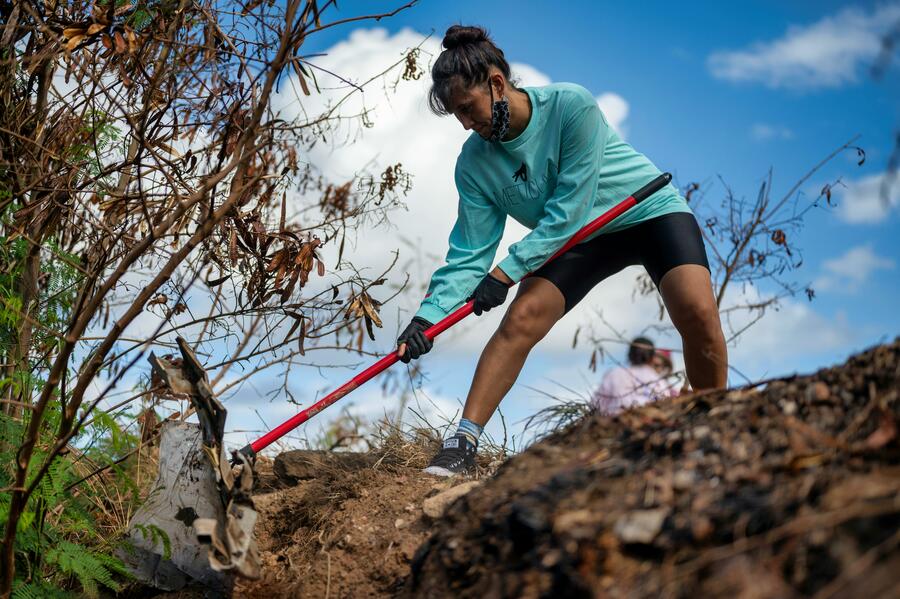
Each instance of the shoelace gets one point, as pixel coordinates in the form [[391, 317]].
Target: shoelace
[[448, 457]]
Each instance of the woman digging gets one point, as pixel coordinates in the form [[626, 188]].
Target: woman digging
[[547, 157]]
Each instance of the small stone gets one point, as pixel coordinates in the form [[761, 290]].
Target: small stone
[[640, 526], [434, 507], [701, 528], [400, 523], [576, 523], [788, 407], [818, 391], [683, 480], [551, 558], [701, 431]]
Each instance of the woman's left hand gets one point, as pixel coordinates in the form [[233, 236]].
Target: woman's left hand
[[490, 293]]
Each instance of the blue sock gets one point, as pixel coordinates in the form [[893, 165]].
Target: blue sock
[[470, 429]]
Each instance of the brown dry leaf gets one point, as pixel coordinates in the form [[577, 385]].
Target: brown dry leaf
[[160, 299], [354, 308], [298, 319], [163, 145], [279, 276], [300, 77], [132, 40], [70, 32], [94, 28], [370, 306], [121, 46], [302, 337], [177, 309], [276, 260], [74, 41]]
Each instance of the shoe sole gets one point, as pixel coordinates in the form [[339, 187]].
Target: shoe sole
[[439, 471]]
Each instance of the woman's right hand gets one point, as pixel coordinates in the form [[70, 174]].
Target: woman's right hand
[[412, 341]]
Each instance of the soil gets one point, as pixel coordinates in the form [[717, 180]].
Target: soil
[[350, 528], [789, 488]]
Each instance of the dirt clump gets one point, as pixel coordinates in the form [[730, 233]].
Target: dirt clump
[[343, 524], [787, 489]]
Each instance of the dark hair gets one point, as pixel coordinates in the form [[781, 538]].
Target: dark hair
[[468, 55], [641, 351]]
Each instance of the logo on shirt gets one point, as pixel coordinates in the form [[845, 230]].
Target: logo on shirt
[[520, 174]]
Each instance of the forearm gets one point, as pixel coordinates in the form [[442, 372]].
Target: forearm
[[498, 274]]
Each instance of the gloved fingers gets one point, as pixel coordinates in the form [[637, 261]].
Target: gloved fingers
[[423, 345], [476, 308], [413, 347], [427, 343]]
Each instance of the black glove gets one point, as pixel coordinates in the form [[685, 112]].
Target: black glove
[[414, 338], [490, 293]]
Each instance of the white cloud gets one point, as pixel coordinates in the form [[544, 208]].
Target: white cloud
[[403, 130], [828, 53], [791, 332], [861, 201], [766, 132], [850, 270], [615, 108]]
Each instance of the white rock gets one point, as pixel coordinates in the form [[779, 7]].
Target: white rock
[[434, 507], [640, 526]]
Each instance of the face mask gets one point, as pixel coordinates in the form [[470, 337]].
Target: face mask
[[499, 116]]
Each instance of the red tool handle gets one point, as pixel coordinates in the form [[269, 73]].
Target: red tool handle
[[287, 426]]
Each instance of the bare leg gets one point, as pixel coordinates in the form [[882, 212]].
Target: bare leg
[[687, 293], [536, 308]]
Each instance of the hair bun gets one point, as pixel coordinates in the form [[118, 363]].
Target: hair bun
[[459, 35]]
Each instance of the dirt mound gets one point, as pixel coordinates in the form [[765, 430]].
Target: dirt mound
[[785, 491], [345, 524]]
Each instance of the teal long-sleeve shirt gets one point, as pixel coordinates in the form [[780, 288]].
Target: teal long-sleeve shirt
[[565, 169]]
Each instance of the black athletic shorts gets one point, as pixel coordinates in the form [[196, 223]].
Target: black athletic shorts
[[660, 244]]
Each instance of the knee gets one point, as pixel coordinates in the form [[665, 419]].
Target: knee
[[701, 320], [526, 320]]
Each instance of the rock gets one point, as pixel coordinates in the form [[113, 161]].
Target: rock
[[304, 464], [434, 507], [640, 526], [683, 480], [576, 523], [701, 431], [701, 528], [788, 407], [818, 391]]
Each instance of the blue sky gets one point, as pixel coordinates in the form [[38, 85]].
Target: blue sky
[[710, 92], [656, 55]]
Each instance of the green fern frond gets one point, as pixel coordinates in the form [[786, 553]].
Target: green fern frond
[[85, 565], [37, 590], [156, 535]]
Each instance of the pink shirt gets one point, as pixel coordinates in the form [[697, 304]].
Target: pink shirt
[[625, 387]]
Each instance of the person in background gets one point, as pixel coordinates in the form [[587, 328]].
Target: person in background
[[662, 364], [637, 384]]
